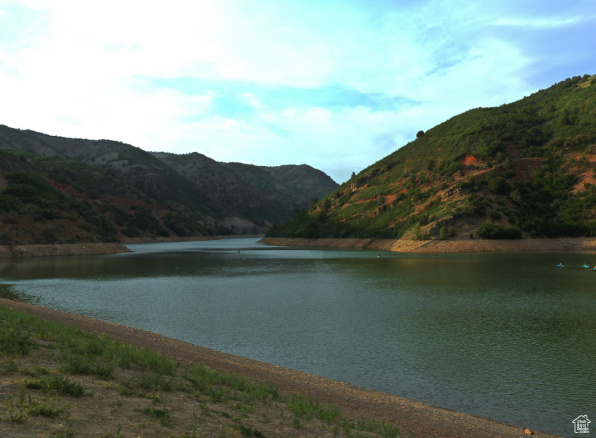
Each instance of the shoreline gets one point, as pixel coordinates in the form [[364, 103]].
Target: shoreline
[[565, 244], [100, 248], [410, 415], [135, 240], [62, 249]]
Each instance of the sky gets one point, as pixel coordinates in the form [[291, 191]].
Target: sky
[[336, 84]]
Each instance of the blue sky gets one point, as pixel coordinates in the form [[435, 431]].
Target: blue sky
[[334, 84]]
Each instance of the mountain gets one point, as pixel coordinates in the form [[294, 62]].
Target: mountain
[[525, 169], [62, 190], [262, 195]]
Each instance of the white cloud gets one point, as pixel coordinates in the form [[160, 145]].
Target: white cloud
[[257, 74], [540, 23], [252, 100]]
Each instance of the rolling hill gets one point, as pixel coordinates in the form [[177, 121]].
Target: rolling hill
[[525, 169], [63, 190]]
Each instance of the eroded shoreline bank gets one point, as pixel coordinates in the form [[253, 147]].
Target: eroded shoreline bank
[[70, 249], [410, 415], [442, 246], [67, 249], [395, 245]]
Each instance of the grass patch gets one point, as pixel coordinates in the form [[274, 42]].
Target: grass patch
[[153, 382], [249, 431], [307, 409], [163, 415], [14, 342], [62, 385], [19, 410], [45, 355]]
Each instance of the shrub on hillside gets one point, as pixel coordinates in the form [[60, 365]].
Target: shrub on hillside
[[492, 231]]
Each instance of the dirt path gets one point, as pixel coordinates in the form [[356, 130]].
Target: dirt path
[[422, 419]]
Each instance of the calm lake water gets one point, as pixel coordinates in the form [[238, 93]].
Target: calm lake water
[[504, 336]]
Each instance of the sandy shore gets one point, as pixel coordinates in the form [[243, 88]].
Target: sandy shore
[[443, 246], [410, 415]]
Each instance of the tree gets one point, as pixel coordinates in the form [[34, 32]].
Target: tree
[[499, 186], [507, 164], [500, 157], [492, 231], [516, 196], [444, 233], [420, 134]]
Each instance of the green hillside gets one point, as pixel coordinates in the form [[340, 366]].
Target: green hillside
[[49, 199], [62, 190], [260, 194], [524, 169]]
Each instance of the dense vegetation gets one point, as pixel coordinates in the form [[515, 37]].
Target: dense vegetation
[[59, 200], [60, 190], [522, 168], [257, 193]]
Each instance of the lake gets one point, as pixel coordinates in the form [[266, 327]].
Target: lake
[[509, 337]]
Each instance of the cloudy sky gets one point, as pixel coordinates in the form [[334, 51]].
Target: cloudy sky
[[337, 84]]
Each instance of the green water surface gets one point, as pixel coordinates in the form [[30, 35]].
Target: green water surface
[[505, 336]]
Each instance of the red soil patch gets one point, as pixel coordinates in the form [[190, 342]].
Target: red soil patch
[[469, 160], [67, 188], [390, 199], [586, 177]]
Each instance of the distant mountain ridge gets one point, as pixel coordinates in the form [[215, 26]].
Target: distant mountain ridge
[[63, 190], [252, 192], [525, 169]]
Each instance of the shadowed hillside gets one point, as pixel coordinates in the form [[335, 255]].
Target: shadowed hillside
[[522, 169], [61, 190], [263, 195]]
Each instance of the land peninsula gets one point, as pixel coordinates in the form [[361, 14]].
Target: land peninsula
[[566, 244]]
